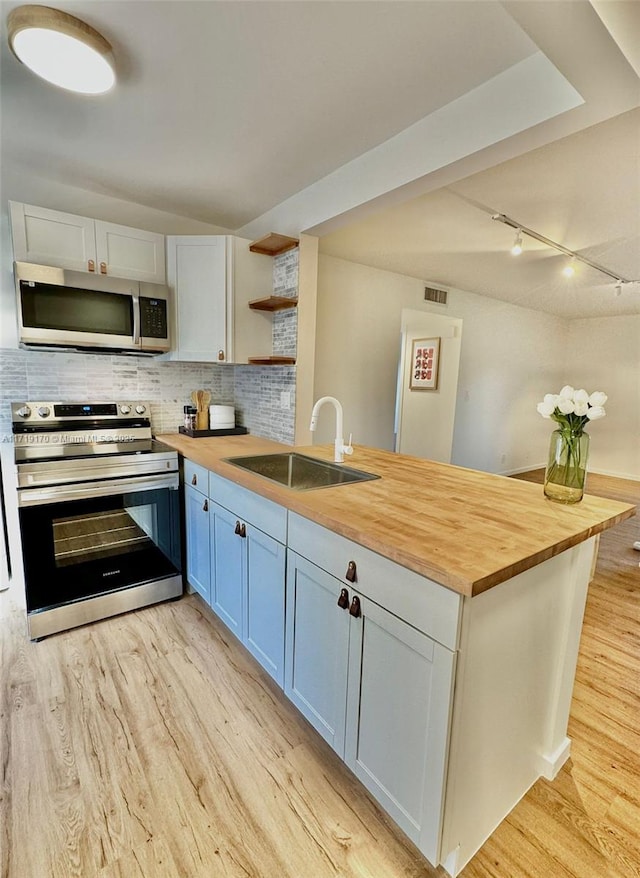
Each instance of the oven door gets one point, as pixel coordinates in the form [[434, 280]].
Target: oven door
[[76, 549]]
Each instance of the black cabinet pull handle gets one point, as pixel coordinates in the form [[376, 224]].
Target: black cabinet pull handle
[[205, 506], [243, 531], [237, 529], [343, 600], [355, 609], [350, 575], [194, 480]]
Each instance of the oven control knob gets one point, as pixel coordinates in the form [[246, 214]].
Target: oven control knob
[[24, 411], [141, 409], [125, 409], [44, 411]]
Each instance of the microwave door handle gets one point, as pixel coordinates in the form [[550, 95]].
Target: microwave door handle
[[136, 318]]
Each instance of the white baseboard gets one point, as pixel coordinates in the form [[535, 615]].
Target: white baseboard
[[522, 469], [550, 763]]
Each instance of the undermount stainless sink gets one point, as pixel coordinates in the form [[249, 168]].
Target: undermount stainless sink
[[300, 472]]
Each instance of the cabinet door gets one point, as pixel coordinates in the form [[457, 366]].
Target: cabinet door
[[131, 253], [317, 646], [264, 610], [197, 272], [228, 568], [50, 237], [398, 709], [197, 536]]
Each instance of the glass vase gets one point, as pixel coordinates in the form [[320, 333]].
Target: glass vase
[[566, 471]]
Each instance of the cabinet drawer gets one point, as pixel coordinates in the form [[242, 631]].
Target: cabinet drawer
[[253, 509], [422, 603], [196, 476]]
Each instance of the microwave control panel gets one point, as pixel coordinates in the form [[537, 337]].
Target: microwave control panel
[[153, 318]]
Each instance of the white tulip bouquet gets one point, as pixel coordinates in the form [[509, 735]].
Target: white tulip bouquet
[[566, 469], [573, 409]]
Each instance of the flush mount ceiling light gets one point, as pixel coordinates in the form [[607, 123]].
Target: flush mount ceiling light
[[61, 49], [569, 269]]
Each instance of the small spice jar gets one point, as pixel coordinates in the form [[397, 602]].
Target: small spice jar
[[190, 412]]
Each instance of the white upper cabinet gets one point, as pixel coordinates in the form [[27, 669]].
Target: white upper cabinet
[[132, 253], [50, 237], [64, 240], [197, 273], [214, 277]]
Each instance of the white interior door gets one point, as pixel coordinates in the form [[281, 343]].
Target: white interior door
[[425, 417]]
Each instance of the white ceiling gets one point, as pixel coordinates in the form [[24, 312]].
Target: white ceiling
[[224, 109], [260, 114], [582, 191]]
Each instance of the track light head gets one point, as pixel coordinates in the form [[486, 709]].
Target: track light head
[[516, 250], [570, 267]]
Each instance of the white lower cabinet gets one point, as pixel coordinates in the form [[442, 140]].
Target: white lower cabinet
[[398, 710], [377, 689], [265, 602], [317, 649], [197, 538], [248, 570], [228, 567], [370, 651], [375, 681]]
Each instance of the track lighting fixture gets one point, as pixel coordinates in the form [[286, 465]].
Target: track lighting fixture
[[516, 250], [569, 269], [61, 49]]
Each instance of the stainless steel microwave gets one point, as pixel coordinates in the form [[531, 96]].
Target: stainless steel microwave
[[71, 309]]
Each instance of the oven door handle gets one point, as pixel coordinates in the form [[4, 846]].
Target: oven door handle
[[102, 488]]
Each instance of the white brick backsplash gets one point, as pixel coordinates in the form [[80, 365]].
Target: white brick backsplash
[[77, 377], [285, 283], [167, 385]]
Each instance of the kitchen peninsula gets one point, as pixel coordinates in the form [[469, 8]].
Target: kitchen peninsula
[[433, 619]]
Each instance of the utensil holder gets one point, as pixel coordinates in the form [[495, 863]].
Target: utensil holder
[[202, 419]]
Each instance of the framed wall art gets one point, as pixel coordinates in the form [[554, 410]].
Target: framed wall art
[[425, 363]]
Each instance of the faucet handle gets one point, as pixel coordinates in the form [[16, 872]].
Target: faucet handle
[[348, 449]]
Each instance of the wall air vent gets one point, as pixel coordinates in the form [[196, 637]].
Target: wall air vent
[[433, 295]]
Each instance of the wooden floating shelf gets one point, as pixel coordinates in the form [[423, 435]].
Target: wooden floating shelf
[[273, 244], [274, 303], [272, 361]]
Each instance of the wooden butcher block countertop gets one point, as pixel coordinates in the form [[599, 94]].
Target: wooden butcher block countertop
[[464, 529]]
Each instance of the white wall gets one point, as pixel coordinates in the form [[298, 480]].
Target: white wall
[[511, 357], [604, 354], [357, 348]]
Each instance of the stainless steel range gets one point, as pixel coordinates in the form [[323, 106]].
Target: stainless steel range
[[99, 511]]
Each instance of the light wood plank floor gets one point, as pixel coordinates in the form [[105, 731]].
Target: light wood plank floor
[[152, 746]]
